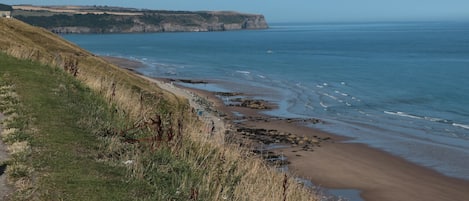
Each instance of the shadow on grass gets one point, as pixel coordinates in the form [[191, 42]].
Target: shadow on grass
[[3, 167]]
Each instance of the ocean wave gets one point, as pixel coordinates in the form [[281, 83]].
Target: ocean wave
[[164, 65], [436, 119], [330, 96], [403, 114], [356, 99], [432, 119], [323, 105], [300, 86], [341, 93], [308, 105], [461, 125], [243, 72]]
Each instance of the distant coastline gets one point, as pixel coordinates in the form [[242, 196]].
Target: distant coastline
[[103, 19]]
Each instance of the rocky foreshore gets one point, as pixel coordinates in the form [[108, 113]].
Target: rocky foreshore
[[324, 158]]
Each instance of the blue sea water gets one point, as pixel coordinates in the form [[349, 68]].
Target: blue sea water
[[399, 87]]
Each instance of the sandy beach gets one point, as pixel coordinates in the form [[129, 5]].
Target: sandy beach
[[326, 159]]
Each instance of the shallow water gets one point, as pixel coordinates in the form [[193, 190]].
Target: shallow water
[[399, 87]]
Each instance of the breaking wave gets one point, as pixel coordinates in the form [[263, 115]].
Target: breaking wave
[[432, 119]]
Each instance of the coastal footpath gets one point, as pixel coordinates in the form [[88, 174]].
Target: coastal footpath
[[79, 128], [104, 19]]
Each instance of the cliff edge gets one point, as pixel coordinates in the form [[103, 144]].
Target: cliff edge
[[94, 19]]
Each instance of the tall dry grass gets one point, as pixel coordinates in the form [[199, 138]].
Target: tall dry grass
[[230, 173], [18, 171]]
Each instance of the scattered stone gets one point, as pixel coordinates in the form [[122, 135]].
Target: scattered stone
[[228, 94], [252, 104], [316, 121], [189, 81]]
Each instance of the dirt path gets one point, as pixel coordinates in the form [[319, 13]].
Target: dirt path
[[4, 188], [214, 125]]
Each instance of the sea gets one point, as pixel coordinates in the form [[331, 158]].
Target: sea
[[402, 87]]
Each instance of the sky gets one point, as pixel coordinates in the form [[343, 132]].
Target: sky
[[300, 10]]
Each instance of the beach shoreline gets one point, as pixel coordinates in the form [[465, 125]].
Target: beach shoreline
[[329, 161]]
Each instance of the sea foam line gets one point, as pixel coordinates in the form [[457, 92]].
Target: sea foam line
[[432, 119], [330, 96], [461, 125], [341, 93], [323, 105], [403, 114], [243, 72]]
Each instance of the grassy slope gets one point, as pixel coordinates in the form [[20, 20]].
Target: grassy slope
[[66, 172], [71, 123], [64, 150], [26, 42]]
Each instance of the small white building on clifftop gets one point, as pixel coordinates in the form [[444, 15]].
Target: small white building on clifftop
[[5, 10], [6, 14]]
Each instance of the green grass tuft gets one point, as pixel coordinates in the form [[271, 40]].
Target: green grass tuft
[[92, 131]]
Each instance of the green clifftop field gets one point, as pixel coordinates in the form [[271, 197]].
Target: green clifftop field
[[92, 19], [79, 128]]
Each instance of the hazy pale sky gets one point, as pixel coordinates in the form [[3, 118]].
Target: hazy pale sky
[[300, 10]]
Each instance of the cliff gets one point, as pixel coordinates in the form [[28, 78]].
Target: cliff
[[73, 19], [120, 136]]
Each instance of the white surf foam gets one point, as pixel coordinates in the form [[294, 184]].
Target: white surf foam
[[323, 105], [432, 119], [330, 96], [341, 93], [300, 86], [307, 105], [403, 114], [243, 72], [461, 125], [435, 119]]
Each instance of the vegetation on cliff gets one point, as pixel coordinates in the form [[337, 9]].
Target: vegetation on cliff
[[112, 20], [87, 130], [4, 7]]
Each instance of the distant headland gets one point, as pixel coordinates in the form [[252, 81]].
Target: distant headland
[[105, 19]]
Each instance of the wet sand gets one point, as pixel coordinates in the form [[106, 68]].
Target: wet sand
[[332, 163]]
